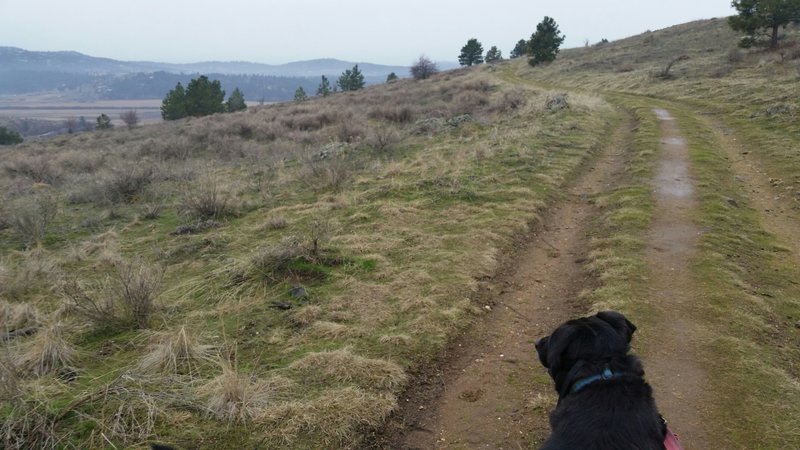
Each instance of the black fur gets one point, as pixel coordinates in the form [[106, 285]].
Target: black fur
[[618, 413]]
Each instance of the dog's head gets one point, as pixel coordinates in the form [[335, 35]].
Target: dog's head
[[602, 337]]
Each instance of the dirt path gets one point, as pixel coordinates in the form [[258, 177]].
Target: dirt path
[[494, 394], [672, 361]]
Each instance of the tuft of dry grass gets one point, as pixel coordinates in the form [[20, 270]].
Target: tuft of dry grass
[[332, 419], [174, 353], [344, 367], [239, 398], [15, 316], [49, 351]]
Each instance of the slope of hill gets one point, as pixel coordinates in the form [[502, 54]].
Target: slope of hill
[[297, 275]]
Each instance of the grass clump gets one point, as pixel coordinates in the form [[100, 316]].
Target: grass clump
[[344, 367], [174, 353], [238, 398], [49, 351]]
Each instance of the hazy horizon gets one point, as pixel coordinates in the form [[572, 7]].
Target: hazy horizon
[[357, 30]]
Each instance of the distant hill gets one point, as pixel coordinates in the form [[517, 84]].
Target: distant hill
[[81, 76]]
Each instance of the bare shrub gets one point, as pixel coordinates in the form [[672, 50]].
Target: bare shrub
[[48, 352], [32, 216], [39, 169], [381, 139], [664, 73], [511, 100], [125, 184], [320, 230], [136, 286], [128, 300], [329, 172], [396, 114], [468, 102], [130, 118], [424, 68], [37, 271], [349, 131], [206, 199], [153, 203], [174, 353]]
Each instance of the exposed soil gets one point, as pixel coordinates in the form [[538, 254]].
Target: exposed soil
[[489, 396], [672, 361]]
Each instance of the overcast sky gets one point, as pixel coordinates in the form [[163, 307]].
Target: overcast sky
[[380, 31]]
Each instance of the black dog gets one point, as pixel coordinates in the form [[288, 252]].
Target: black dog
[[603, 400]]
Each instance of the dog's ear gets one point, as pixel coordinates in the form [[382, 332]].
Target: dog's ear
[[542, 346], [618, 322]]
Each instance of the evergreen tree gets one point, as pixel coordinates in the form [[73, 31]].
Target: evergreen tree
[[472, 53], [521, 49], [494, 55], [300, 94], [391, 77], [103, 122], [204, 97], [351, 79], [545, 42], [758, 18], [324, 88], [173, 107], [236, 101], [9, 137]]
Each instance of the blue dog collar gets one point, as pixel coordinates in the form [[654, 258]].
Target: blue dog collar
[[607, 374]]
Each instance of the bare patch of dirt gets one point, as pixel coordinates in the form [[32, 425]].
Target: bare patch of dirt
[[672, 359], [492, 391]]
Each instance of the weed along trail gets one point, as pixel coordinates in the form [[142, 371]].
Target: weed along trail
[[495, 394], [671, 362]]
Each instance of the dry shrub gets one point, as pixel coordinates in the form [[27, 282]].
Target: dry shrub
[[330, 172], [349, 131], [381, 139], [16, 316], [28, 425], [395, 114], [38, 169], [174, 353], [135, 416], [32, 216], [468, 102], [238, 398], [206, 199], [128, 300], [336, 417], [342, 366], [511, 100], [48, 352], [124, 184], [38, 270]]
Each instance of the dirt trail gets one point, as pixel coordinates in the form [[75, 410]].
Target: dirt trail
[[672, 360], [490, 396]]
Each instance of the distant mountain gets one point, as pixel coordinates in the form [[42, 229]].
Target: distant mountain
[[76, 76], [16, 59]]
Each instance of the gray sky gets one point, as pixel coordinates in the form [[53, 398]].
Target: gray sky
[[387, 32]]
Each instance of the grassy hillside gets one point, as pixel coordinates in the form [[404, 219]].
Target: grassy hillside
[[273, 276]]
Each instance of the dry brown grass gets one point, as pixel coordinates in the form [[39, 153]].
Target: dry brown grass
[[174, 353], [15, 316], [236, 397], [49, 350], [345, 367]]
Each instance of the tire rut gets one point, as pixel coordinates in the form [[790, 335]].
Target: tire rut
[[494, 393]]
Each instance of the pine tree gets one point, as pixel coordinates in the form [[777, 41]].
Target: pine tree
[[757, 18], [545, 42], [391, 77], [236, 101], [521, 49], [324, 88], [173, 107], [471, 53], [103, 122], [494, 55], [351, 79], [300, 94], [204, 97], [9, 137]]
